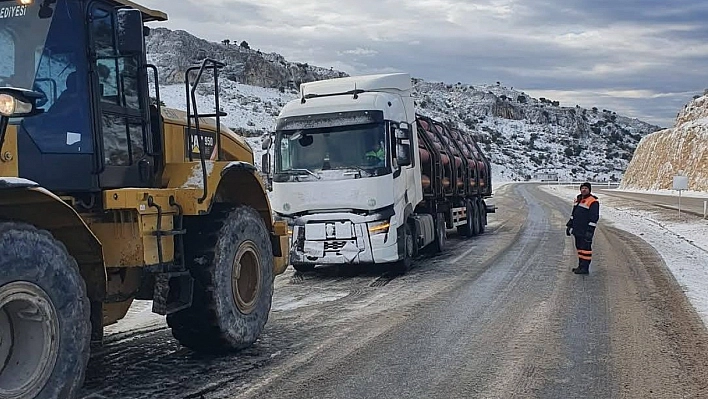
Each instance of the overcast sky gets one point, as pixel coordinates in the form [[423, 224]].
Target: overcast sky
[[640, 58]]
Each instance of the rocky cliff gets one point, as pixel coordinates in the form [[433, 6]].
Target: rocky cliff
[[173, 52], [682, 150]]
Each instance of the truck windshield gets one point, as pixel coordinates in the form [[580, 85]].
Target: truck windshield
[[309, 152]]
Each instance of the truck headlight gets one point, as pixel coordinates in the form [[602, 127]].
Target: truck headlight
[[380, 227], [10, 105]]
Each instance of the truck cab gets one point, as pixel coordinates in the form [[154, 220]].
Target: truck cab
[[346, 172]]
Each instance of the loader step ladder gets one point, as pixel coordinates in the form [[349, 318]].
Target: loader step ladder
[[173, 282]]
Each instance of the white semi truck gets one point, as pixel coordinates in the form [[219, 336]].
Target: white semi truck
[[361, 178]]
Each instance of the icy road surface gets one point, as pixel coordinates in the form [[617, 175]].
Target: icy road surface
[[499, 315]]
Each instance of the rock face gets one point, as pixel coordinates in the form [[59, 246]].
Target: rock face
[[173, 52], [682, 150]]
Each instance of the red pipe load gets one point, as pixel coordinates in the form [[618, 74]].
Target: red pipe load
[[424, 155], [446, 182], [445, 159], [425, 182]]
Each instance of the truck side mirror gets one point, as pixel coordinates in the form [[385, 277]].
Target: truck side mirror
[[129, 31], [402, 131], [403, 153]]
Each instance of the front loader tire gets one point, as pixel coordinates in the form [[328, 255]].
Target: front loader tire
[[45, 327], [230, 258]]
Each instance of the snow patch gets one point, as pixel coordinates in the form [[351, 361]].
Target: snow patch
[[196, 179]]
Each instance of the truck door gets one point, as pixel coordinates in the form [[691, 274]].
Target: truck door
[[120, 98]]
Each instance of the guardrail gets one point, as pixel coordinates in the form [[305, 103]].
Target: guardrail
[[599, 184]]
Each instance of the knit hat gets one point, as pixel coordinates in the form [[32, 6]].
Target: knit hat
[[586, 184]]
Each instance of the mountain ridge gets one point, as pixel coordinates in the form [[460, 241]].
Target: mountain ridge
[[523, 136]]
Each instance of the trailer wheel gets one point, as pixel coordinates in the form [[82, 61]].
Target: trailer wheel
[[468, 229], [482, 216], [231, 261], [44, 316], [477, 217]]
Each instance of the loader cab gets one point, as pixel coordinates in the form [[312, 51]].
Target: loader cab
[[87, 59]]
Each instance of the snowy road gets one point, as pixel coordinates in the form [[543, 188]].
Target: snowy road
[[499, 315]]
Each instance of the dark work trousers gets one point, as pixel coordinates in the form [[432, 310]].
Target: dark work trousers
[[584, 252]]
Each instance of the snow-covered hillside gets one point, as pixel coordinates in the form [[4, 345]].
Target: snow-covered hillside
[[522, 135]]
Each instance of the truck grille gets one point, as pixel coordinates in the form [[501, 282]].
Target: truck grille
[[334, 245]]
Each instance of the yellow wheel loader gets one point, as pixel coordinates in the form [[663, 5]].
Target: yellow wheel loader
[[106, 197]]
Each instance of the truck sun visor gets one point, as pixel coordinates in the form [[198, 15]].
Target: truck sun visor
[[334, 119]]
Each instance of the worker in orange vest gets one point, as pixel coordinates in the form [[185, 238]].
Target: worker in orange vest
[[582, 224]]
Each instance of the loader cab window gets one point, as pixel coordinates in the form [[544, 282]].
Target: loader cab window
[[118, 92]]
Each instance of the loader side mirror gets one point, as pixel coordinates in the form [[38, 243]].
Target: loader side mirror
[[265, 163], [129, 31], [266, 143]]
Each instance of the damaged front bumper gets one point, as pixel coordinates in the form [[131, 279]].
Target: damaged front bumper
[[318, 242]]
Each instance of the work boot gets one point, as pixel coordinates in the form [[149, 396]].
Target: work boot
[[575, 269], [581, 270]]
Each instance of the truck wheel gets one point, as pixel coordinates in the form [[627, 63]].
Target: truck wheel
[[440, 233], [44, 316], [230, 257], [303, 267], [409, 250]]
